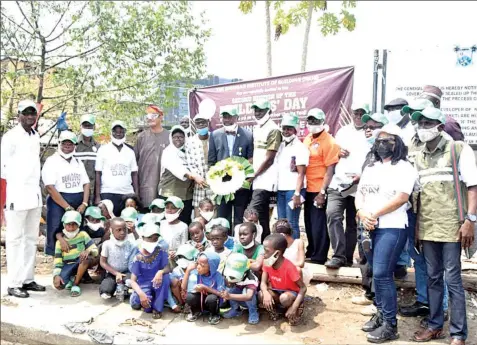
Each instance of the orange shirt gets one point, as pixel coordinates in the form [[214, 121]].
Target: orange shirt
[[323, 152]]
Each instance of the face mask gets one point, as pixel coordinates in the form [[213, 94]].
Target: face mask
[[70, 234], [289, 139], [250, 245], [385, 150], [170, 217], [315, 129], [66, 155], [203, 131], [207, 215], [87, 132], [94, 226], [187, 130], [118, 142], [271, 260], [160, 216], [231, 128], [264, 119], [394, 116], [149, 246], [428, 134], [371, 140], [118, 242]]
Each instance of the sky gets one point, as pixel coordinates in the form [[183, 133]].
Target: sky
[[237, 46]]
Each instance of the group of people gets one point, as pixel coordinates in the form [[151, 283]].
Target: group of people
[[398, 185]]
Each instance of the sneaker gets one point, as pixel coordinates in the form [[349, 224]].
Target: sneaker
[[214, 319], [375, 322], [232, 313], [369, 310], [361, 300], [192, 317], [383, 333], [413, 310], [105, 296]]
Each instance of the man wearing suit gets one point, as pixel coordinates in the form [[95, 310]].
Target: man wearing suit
[[231, 140]]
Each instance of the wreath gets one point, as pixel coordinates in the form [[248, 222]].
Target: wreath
[[228, 176]]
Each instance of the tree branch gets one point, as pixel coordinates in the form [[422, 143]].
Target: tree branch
[[69, 26], [59, 21], [24, 16], [54, 49], [19, 26], [74, 56]]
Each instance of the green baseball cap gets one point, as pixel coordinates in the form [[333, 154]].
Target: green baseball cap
[[235, 267], [217, 221], [94, 212], [363, 106], [150, 218], [88, 118], [118, 123], [150, 229], [429, 113], [129, 214], [317, 113], [378, 117], [174, 200], [71, 217], [188, 251], [416, 105], [231, 110], [261, 104], [159, 203], [290, 120], [68, 136]]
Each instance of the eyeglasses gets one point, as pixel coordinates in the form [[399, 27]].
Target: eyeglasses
[[365, 127]]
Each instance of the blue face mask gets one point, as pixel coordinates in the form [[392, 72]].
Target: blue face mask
[[371, 140], [203, 131]]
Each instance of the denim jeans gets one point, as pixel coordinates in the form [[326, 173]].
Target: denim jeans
[[387, 245], [445, 257], [284, 211], [251, 305]]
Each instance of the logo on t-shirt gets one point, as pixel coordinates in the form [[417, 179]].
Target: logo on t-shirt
[[367, 189], [119, 170], [72, 180], [277, 279]]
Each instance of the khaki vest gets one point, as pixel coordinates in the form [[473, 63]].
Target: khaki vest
[[438, 213]]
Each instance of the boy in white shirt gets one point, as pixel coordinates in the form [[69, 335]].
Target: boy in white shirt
[[173, 231]]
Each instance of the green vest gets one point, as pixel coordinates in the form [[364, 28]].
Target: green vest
[[438, 213]]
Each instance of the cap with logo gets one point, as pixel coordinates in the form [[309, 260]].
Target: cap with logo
[[185, 254], [429, 113], [68, 136], [378, 117], [149, 218], [235, 267], [150, 229], [390, 128], [94, 212], [230, 110], [118, 123], [174, 200], [129, 214], [290, 120], [316, 113], [88, 118], [217, 221], [398, 102], [362, 106], [71, 217], [159, 203], [417, 104], [27, 103], [261, 104]]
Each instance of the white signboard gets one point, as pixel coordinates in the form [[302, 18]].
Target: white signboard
[[452, 69]]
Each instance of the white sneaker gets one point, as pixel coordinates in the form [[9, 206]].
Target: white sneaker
[[361, 300], [105, 296], [370, 310]]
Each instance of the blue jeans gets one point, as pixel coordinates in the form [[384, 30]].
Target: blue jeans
[[251, 305], [284, 211], [387, 245], [440, 257]]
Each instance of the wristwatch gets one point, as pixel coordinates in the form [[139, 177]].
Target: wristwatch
[[85, 204], [323, 192], [471, 217], [296, 194]]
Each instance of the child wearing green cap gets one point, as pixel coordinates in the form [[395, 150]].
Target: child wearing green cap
[[173, 230], [158, 207], [70, 266], [129, 214], [94, 225]]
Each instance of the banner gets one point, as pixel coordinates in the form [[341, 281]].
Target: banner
[[296, 93]]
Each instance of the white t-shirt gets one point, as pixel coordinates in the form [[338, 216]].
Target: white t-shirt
[[286, 178], [467, 166], [382, 182], [116, 168], [67, 177], [174, 234]]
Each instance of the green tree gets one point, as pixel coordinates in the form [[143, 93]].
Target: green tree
[[330, 23]]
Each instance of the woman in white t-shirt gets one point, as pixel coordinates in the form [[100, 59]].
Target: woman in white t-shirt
[[67, 184], [381, 199]]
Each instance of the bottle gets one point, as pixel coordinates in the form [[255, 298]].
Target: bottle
[[120, 291]]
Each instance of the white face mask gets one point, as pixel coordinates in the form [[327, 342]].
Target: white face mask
[[315, 129], [118, 242], [207, 215], [250, 245], [70, 234], [66, 155], [149, 246], [118, 142], [428, 134], [94, 226], [289, 139], [170, 217], [231, 128], [264, 119], [87, 132], [271, 260], [394, 116]]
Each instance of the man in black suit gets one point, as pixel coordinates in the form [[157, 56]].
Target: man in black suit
[[231, 140]]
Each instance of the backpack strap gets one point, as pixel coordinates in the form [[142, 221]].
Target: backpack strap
[[457, 186]]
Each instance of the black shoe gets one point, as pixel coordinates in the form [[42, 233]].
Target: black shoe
[[33, 286], [384, 333], [334, 263], [416, 309], [18, 292], [425, 321], [375, 322], [400, 272]]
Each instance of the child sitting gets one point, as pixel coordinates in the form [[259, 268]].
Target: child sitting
[[295, 251], [131, 200], [94, 225], [197, 235], [150, 274], [229, 242], [115, 254], [173, 231], [282, 285], [249, 246], [241, 288], [129, 215], [157, 207], [185, 255], [206, 211], [206, 293], [218, 236], [250, 215], [71, 265]]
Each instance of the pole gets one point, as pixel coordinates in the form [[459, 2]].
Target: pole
[[375, 80], [383, 79]]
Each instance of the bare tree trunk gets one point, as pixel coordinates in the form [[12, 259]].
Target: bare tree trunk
[[41, 75], [304, 52], [269, 38], [14, 91]]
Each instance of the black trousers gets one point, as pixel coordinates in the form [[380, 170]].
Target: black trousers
[[108, 284], [261, 203], [186, 213], [201, 302], [316, 230], [238, 206]]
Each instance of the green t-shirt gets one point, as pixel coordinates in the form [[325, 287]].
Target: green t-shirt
[[238, 248]]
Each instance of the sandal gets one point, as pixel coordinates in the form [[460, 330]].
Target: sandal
[[69, 285], [75, 291], [156, 315]]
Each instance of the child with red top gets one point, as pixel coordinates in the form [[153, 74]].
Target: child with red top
[[282, 288]]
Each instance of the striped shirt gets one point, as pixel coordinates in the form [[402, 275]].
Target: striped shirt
[[78, 244], [86, 153]]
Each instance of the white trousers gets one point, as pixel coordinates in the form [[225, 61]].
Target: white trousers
[[21, 241]]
